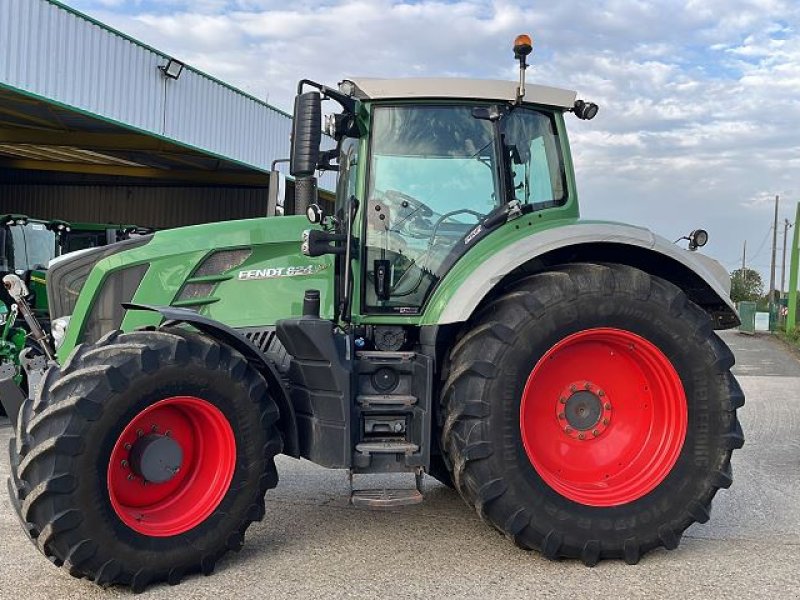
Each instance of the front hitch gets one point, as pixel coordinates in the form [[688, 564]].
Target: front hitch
[[17, 290]]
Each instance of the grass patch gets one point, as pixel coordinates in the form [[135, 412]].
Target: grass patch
[[790, 337]]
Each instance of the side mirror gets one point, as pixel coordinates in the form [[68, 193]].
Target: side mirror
[[306, 134]]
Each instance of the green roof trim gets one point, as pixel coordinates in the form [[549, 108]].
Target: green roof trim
[[141, 44]]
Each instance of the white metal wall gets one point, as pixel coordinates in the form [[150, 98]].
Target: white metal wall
[[48, 50]]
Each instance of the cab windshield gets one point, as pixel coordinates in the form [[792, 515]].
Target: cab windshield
[[435, 172]]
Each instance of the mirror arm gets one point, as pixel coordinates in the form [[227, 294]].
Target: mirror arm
[[325, 158], [348, 103]]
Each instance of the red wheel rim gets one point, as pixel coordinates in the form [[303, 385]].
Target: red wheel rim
[[603, 417], [208, 446]]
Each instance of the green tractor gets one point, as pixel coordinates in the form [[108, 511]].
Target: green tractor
[[453, 316], [26, 248]]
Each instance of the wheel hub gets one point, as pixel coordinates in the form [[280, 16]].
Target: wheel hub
[[156, 458], [583, 410]]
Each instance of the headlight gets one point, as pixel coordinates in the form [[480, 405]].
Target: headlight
[[58, 329]]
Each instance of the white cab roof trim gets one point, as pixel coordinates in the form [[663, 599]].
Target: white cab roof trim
[[479, 89]]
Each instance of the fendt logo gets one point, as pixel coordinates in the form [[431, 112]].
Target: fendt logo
[[275, 272]]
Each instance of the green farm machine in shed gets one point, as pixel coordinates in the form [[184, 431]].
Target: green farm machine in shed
[[453, 316], [27, 246]]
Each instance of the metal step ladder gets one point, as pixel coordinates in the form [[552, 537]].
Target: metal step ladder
[[387, 498]]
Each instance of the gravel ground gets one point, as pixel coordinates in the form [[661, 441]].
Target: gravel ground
[[312, 544]]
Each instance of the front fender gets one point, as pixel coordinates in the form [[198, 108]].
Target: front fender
[[455, 300], [230, 337]]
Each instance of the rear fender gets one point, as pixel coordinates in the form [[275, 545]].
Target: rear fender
[[230, 337], [703, 279]]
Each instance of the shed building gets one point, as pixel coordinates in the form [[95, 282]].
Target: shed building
[[98, 127]]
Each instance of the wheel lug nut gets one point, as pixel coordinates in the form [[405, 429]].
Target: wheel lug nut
[[128, 446], [124, 464], [605, 421], [154, 428], [601, 393], [587, 386], [562, 416], [562, 400], [572, 388], [568, 430], [581, 436], [131, 477], [168, 433], [595, 432], [139, 432], [607, 406]]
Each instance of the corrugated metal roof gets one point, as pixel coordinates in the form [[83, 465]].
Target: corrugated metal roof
[[53, 52]]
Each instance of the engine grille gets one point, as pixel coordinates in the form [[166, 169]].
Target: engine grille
[[66, 278], [107, 311]]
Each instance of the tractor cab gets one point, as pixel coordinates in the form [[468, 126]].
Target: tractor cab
[[437, 172], [26, 247], [427, 169]]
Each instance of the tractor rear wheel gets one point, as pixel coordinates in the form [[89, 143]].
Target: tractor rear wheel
[[145, 457], [590, 413]]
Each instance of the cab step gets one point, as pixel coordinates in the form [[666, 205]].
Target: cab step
[[387, 447], [385, 498]]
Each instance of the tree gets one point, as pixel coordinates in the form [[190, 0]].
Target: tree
[[746, 284]]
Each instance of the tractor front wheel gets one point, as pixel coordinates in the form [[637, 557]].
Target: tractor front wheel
[[590, 413], [145, 457]]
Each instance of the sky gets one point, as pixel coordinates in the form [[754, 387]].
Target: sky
[[699, 122]]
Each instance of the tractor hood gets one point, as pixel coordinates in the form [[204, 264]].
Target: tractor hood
[[247, 274]]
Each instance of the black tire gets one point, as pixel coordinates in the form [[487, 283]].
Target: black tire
[[60, 457], [481, 402]]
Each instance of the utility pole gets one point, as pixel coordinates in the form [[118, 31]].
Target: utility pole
[[786, 225], [744, 265], [774, 253], [793, 267]]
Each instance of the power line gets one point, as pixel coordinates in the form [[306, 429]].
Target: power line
[[763, 243]]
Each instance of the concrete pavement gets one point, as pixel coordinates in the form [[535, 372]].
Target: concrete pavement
[[312, 544]]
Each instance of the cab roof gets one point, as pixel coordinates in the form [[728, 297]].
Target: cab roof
[[477, 89]]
